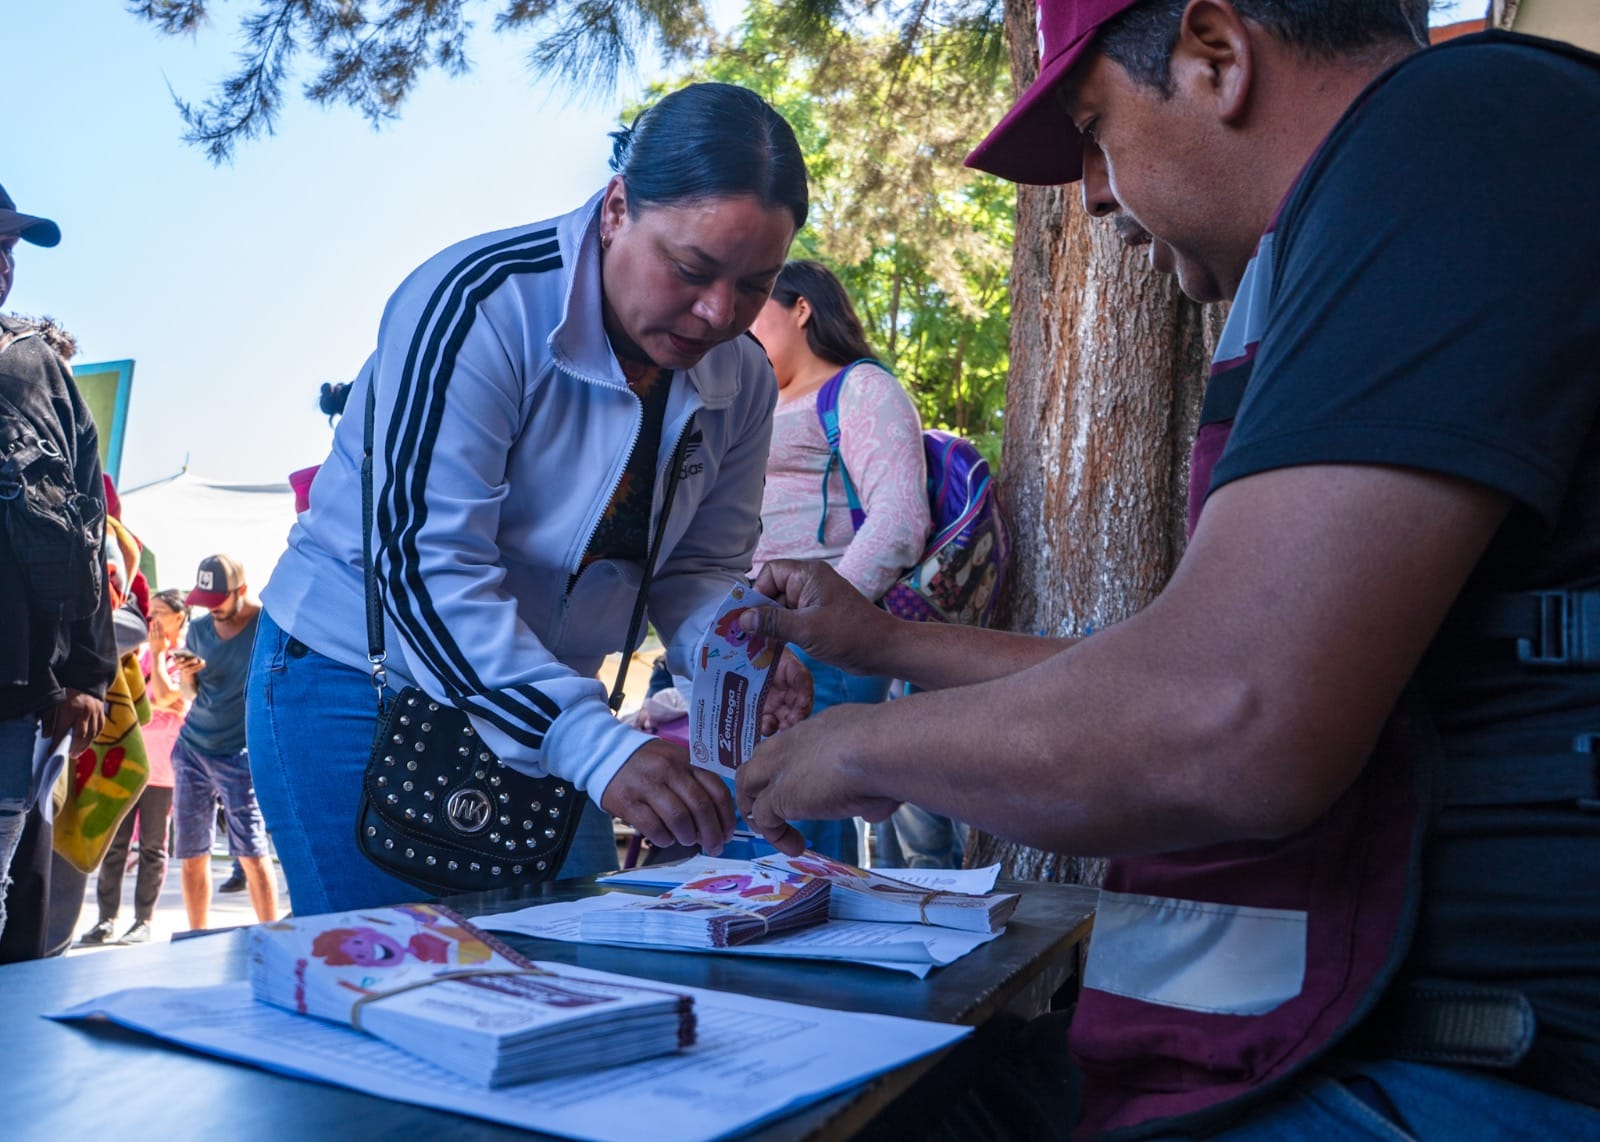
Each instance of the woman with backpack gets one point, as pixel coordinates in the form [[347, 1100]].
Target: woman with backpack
[[811, 334]]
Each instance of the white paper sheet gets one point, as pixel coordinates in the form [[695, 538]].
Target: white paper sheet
[[970, 880], [914, 948], [756, 1061], [49, 759]]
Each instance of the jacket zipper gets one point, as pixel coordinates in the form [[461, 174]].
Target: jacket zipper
[[638, 424]]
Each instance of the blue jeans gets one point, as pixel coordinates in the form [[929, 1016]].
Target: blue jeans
[[1027, 1090], [1393, 1101], [915, 838], [835, 687], [17, 736], [310, 722]]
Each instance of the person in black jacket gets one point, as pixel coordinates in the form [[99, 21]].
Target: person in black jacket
[[55, 662]]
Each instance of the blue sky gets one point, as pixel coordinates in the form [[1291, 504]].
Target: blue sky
[[238, 290]]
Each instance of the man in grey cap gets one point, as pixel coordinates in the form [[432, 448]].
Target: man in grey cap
[[57, 653]]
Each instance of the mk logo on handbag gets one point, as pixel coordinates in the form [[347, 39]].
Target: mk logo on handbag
[[468, 811]]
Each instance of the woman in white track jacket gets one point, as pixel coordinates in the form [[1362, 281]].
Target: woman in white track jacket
[[531, 387]]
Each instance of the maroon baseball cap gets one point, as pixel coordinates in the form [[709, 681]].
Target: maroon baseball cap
[[39, 231], [218, 577], [1037, 142]]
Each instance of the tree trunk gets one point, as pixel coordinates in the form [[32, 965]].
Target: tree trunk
[[1108, 366]]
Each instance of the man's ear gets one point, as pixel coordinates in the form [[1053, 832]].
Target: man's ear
[[613, 209], [1214, 52]]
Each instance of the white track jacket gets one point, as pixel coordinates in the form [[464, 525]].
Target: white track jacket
[[503, 425]]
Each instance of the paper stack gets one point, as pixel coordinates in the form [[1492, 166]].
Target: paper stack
[[423, 979], [717, 911], [859, 894]]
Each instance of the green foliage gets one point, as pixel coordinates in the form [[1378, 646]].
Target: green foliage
[[370, 54], [886, 96], [885, 116]]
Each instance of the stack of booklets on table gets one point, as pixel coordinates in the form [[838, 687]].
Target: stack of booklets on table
[[718, 911], [423, 979], [859, 894]]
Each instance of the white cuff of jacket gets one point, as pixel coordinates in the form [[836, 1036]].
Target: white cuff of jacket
[[592, 745]]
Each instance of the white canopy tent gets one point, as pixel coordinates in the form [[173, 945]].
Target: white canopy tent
[[186, 518]]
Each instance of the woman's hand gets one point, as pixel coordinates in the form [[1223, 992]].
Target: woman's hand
[[670, 801], [158, 637], [789, 695], [821, 613]]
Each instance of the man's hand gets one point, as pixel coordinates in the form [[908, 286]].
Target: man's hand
[[789, 695], [821, 613], [670, 801], [82, 715], [809, 772]]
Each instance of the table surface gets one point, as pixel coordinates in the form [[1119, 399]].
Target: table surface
[[79, 1079]]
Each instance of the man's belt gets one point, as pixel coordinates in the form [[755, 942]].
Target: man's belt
[[1515, 778]]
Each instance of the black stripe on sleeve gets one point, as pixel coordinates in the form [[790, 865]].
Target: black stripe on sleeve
[[523, 712]]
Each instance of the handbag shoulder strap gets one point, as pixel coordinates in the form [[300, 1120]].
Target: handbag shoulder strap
[[377, 655]]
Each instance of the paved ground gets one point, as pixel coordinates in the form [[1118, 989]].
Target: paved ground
[[228, 910], [233, 909]]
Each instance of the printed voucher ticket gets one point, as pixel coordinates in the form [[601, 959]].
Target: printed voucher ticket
[[734, 668]]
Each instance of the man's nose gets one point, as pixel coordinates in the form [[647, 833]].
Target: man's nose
[[1097, 197]]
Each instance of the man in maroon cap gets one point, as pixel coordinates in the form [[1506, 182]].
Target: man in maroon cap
[[210, 762], [1346, 762], [57, 652]]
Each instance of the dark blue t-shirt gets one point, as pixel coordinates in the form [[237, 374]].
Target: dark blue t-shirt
[[215, 722]]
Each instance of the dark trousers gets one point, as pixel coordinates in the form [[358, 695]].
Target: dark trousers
[[151, 811]]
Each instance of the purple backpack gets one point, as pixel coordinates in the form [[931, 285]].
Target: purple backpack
[[962, 570]]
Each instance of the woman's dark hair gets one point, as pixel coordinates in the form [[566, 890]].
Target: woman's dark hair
[[834, 332], [333, 398], [173, 599], [711, 140]]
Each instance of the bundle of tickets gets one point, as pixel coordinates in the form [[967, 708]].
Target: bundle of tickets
[[859, 894], [423, 979], [717, 911], [733, 668]]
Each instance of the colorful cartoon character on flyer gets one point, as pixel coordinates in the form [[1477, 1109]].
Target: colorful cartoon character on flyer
[[758, 888], [370, 948], [758, 647]]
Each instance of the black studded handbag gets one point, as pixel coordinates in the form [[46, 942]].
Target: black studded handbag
[[438, 808]]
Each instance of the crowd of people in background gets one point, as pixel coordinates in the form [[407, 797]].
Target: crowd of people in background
[[120, 718], [724, 211]]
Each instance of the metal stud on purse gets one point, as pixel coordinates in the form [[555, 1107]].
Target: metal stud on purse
[[438, 808]]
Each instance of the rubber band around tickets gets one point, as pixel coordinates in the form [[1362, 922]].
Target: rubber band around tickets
[[355, 1008]]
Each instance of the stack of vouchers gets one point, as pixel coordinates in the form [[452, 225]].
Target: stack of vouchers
[[423, 979], [859, 894], [721, 910]]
